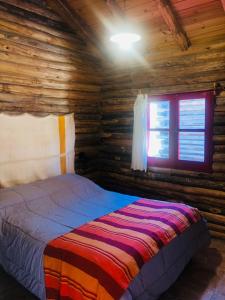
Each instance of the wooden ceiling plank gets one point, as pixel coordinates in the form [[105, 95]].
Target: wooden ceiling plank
[[115, 9], [75, 22], [173, 24], [223, 3]]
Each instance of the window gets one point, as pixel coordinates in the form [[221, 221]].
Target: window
[[180, 131]]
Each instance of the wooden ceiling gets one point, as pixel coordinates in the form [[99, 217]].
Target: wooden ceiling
[[202, 22]]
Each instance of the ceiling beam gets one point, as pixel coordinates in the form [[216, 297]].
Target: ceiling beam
[[223, 3], [75, 22], [115, 9], [173, 24]]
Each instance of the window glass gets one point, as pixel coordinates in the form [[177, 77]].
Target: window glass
[[159, 114], [159, 144], [192, 114], [191, 146]]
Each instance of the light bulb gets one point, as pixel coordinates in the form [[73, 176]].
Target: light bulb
[[125, 40]]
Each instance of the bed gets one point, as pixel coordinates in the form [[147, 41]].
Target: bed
[[33, 214]]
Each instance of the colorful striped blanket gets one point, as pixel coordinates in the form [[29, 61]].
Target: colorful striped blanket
[[98, 260]]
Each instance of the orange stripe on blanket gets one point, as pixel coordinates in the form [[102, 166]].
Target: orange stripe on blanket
[[75, 283]]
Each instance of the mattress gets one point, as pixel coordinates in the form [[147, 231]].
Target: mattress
[[31, 215]]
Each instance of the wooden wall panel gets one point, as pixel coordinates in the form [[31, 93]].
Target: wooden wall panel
[[196, 69], [44, 68]]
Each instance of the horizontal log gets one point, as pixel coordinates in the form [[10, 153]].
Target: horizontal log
[[220, 101], [204, 204], [43, 46], [217, 235], [168, 186], [215, 218], [34, 30], [219, 130], [165, 61], [35, 82], [43, 92], [117, 115], [88, 130], [39, 106], [219, 139], [219, 120], [13, 44], [219, 167], [217, 228], [219, 148], [6, 107], [198, 74], [93, 137], [82, 101], [120, 150], [29, 6], [41, 72], [87, 123], [15, 58], [117, 122], [91, 151], [122, 155], [220, 108], [219, 157], [161, 83], [47, 108], [125, 169], [89, 117]]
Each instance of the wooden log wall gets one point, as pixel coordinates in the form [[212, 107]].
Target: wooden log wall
[[193, 70], [45, 68]]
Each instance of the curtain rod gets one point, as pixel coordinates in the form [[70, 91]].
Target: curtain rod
[[217, 87]]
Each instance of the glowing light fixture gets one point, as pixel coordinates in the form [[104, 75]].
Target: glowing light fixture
[[125, 40]]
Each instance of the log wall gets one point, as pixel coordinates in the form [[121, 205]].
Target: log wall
[[193, 70], [45, 68]]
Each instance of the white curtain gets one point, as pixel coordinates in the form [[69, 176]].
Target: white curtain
[[139, 145]]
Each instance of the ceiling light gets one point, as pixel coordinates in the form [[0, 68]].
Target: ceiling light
[[125, 40]]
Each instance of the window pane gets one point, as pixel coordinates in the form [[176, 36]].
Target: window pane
[[191, 146], [192, 114], [159, 144], [159, 114]]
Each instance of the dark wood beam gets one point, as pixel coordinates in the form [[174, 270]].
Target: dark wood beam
[[223, 3], [115, 9], [173, 24], [75, 22]]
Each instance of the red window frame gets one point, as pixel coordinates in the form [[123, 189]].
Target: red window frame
[[173, 162]]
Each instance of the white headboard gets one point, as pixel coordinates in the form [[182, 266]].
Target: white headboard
[[33, 148]]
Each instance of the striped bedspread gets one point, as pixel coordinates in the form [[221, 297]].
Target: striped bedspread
[[98, 260]]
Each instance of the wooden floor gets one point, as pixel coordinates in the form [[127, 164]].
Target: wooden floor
[[203, 279]]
